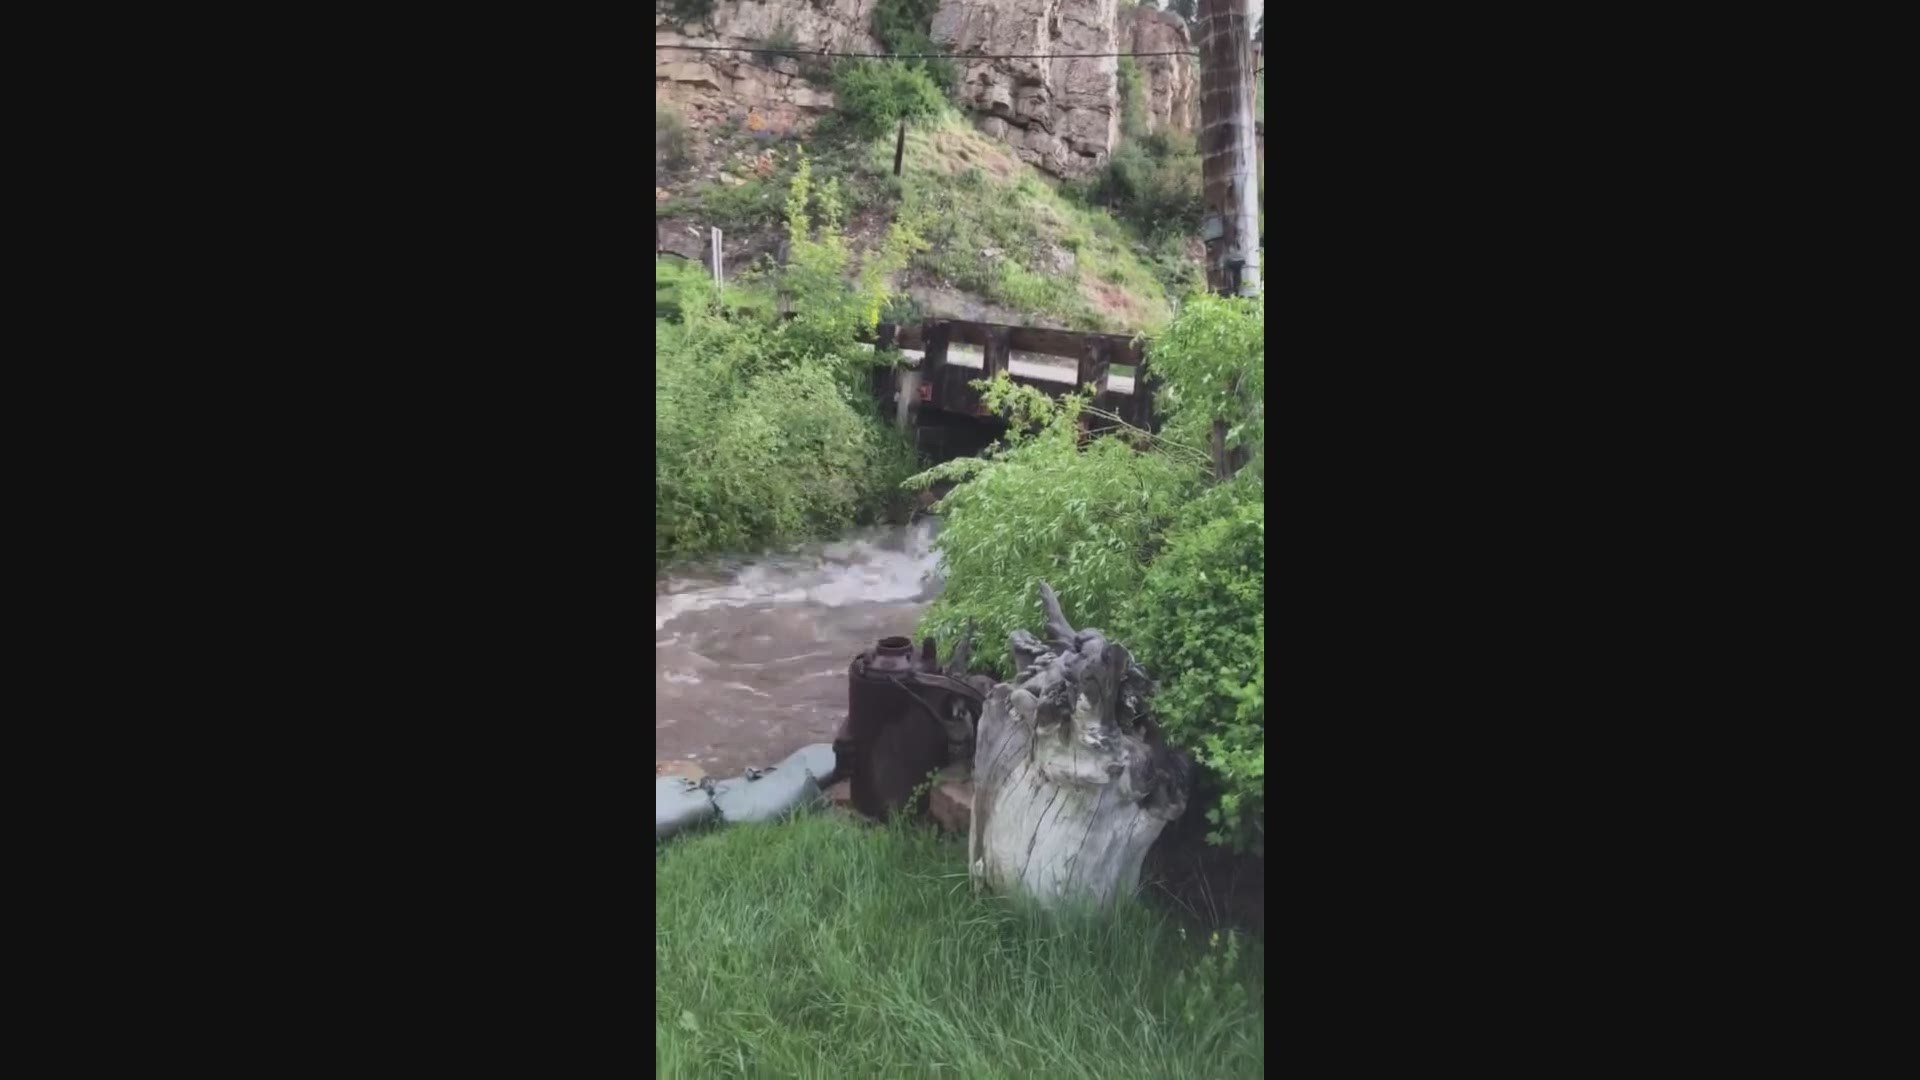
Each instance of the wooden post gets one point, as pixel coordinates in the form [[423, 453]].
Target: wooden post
[[1095, 361], [900, 147], [998, 351], [936, 336]]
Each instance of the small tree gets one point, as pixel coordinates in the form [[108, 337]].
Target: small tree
[[832, 307], [876, 94]]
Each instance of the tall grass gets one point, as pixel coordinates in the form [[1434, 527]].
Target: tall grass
[[824, 948]]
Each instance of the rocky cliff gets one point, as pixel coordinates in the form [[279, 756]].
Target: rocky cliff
[[766, 93], [1062, 115], [1173, 82]]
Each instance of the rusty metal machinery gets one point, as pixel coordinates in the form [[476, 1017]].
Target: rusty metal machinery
[[905, 720]]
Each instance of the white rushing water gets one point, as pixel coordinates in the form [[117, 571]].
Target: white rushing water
[[750, 656]]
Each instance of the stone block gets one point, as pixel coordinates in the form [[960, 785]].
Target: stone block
[[692, 73], [952, 804]]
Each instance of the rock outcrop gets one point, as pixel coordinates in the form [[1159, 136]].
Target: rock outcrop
[[765, 93], [1062, 115], [1173, 82]]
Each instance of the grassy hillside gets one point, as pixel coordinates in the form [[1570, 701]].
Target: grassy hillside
[[998, 230]]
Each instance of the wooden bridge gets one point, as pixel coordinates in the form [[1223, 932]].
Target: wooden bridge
[[931, 390]]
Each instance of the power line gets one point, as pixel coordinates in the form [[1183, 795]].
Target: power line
[[799, 54]]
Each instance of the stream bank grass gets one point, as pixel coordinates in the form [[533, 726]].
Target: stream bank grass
[[823, 947]]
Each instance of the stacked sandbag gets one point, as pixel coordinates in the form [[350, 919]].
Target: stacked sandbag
[[790, 787]]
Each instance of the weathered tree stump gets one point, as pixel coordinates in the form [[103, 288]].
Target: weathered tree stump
[[1071, 785]]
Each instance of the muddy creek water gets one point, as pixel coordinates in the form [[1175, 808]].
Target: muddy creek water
[[750, 656]]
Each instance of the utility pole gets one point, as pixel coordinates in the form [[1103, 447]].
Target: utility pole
[[1228, 159]]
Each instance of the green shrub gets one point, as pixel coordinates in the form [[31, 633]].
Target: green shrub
[[752, 205], [1200, 624], [764, 430], [1154, 183], [1137, 545], [1212, 360], [875, 94], [1133, 99], [1085, 520], [901, 26], [673, 280]]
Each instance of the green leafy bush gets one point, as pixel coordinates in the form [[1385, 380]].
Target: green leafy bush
[[1200, 625], [1127, 529], [1133, 99], [1154, 183], [1213, 362], [1085, 520], [673, 280], [901, 26], [764, 430], [875, 94]]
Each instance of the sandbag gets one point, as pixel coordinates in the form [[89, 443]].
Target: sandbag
[[679, 803], [767, 796], [818, 759]]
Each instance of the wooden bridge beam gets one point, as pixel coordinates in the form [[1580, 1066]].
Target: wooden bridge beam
[[999, 350]]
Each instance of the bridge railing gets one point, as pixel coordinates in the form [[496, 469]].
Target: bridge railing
[[948, 355]]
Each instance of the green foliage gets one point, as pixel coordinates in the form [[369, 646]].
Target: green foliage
[[763, 429], [834, 305], [687, 12], [671, 139], [674, 281], [822, 947], [901, 26], [1200, 621], [1133, 99], [998, 232], [1178, 273], [1213, 360], [756, 203], [1085, 520], [1153, 182], [875, 94], [1213, 982], [1125, 528]]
